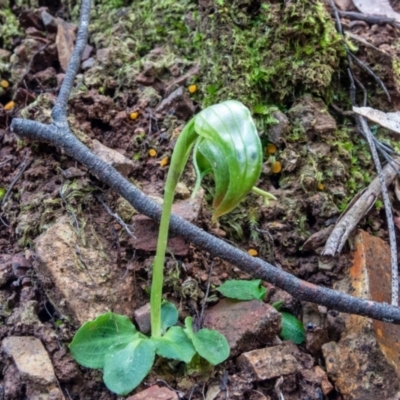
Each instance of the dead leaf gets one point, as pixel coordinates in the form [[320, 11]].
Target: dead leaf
[[387, 120]]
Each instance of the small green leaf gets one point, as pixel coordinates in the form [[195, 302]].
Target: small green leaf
[[126, 368], [2, 193], [95, 339], [292, 329], [210, 344], [229, 146], [243, 290], [169, 315], [175, 344]]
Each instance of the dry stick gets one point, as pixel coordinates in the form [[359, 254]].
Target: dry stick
[[116, 216], [388, 209], [356, 210], [59, 135], [341, 231]]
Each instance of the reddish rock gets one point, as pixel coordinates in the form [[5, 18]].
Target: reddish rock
[[146, 230], [245, 324], [142, 318], [121, 163], [366, 345], [155, 393], [66, 35]]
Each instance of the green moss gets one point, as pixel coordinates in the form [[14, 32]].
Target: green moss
[[9, 29], [268, 54]]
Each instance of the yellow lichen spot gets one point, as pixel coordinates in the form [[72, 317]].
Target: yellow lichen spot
[[152, 153], [321, 186], [164, 162], [9, 106], [276, 167], [192, 88], [133, 115], [4, 84], [271, 148], [252, 252]]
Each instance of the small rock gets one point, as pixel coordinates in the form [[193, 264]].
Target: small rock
[[113, 157], [142, 318], [87, 52], [182, 191], [146, 230], [88, 63], [6, 271], [81, 274], [366, 345], [277, 132], [49, 21], [103, 55], [155, 392], [270, 362], [34, 367], [312, 116], [318, 375], [65, 40], [179, 103], [245, 324], [5, 55]]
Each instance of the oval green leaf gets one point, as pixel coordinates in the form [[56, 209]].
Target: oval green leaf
[[175, 344], [209, 344], [243, 290], [125, 369], [230, 146], [95, 339], [292, 329], [169, 315]]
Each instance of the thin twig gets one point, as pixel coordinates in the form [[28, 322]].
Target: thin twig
[[22, 168], [116, 216], [370, 19], [59, 135], [388, 210]]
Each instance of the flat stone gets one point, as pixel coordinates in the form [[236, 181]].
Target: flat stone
[[366, 345], [245, 324], [121, 163], [65, 39], [319, 376], [142, 318], [155, 392], [179, 103], [34, 367], [270, 362], [85, 282], [146, 230]]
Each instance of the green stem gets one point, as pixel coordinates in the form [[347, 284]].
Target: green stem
[[179, 159], [263, 193]]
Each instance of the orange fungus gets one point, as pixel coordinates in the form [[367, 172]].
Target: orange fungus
[[276, 167], [252, 252], [271, 148], [9, 106]]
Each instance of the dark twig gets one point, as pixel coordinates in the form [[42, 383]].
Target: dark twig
[[370, 19], [59, 135]]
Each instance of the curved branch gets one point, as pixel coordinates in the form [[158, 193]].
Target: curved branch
[[301, 290], [59, 135]]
